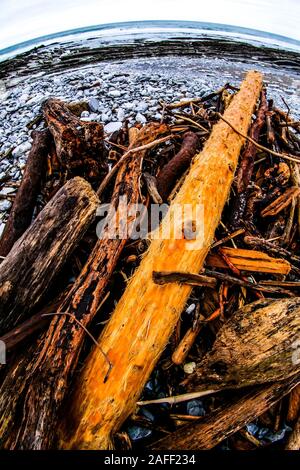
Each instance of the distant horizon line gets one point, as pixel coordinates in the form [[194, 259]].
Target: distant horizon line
[[207, 26]]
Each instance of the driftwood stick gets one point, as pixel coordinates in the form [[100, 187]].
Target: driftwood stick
[[56, 356], [227, 420], [177, 165], [162, 277], [137, 332], [35, 259], [20, 216], [209, 279], [259, 146], [245, 170], [188, 340]]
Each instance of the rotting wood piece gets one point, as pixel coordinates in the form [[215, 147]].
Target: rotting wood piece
[[245, 170], [257, 344], [294, 405], [79, 144], [56, 355], [226, 420], [281, 202], [29, 268], [294, 439], [20, 216], [177, 165], [138, 332], [249, 260], [209, 280]]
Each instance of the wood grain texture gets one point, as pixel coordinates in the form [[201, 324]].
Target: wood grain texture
[[227, 420], [144, 319], [79, 144], [35, 259], [249, 260], [257, 344], [294, 439]]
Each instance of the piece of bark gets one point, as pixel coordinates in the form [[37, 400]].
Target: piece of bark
[[28, 270], [227, 420], [79, 144], [294, 439], [257, 344], [56, 355], [21, 213], [281, 202], [147, 313], [249, 260], [177, 165], [294, 405], [161, 278]]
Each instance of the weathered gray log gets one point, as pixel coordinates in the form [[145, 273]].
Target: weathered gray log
[[22, 210], [226, 420], [39, 254], [258, 344]]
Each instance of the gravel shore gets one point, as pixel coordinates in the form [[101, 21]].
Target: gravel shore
[[114, 91]]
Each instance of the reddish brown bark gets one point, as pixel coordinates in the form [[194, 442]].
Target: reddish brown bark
[[79, 144], [245, 170], [174, 169]]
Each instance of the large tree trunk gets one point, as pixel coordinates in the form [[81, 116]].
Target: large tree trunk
[[227, 420], [144, 319], [55, 358], [35, 259], [20, 216]]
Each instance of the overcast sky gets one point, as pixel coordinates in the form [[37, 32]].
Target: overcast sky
[[21, 20]]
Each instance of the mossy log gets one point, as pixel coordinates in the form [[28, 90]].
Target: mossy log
[[147, 313]]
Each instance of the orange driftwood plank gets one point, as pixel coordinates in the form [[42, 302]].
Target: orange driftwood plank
[[249, 260], [147, 313]]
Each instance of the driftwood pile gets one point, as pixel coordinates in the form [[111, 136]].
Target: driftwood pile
[[91, 323]]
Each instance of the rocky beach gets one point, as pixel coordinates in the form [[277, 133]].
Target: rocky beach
[[128, 79]]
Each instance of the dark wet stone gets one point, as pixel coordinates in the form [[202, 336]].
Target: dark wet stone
[[195, 408], [137, 432]]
